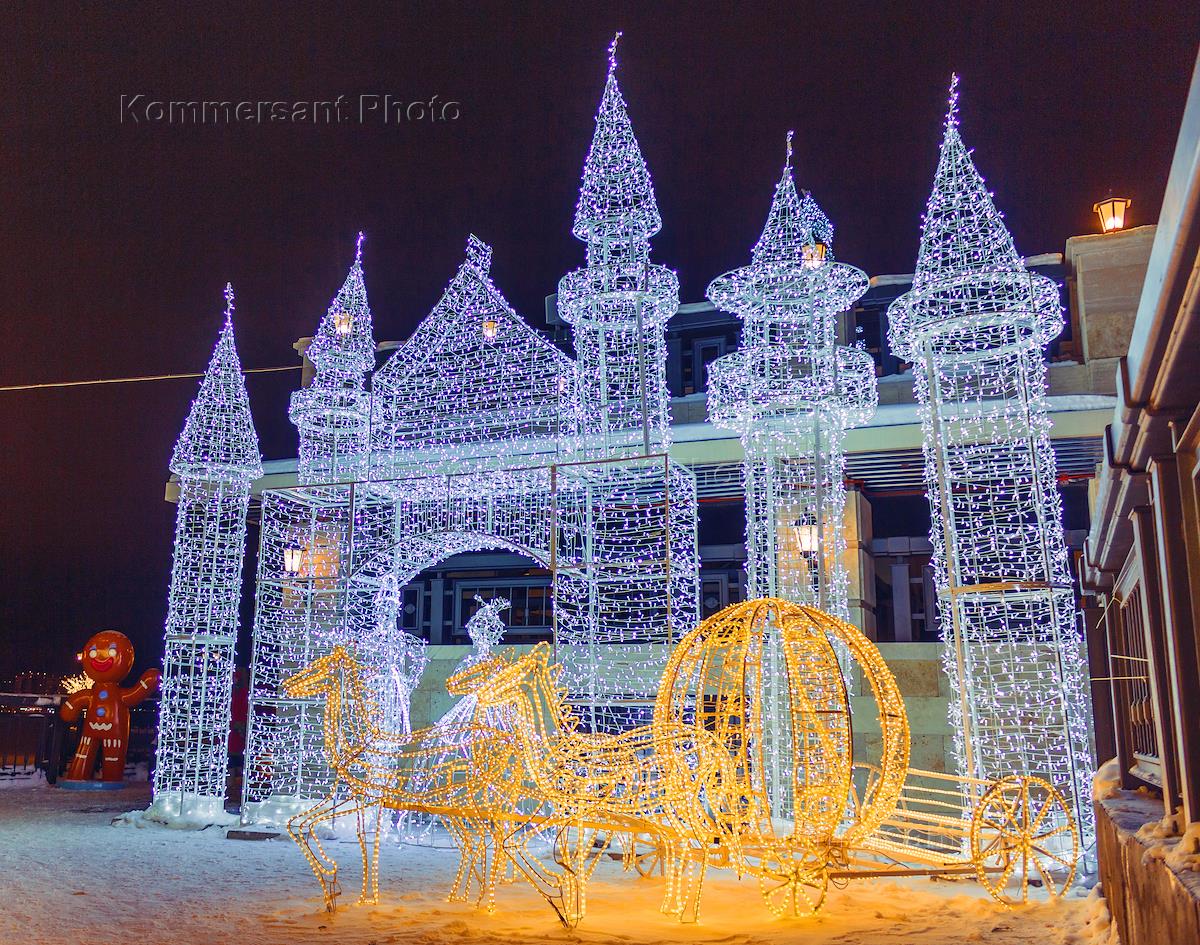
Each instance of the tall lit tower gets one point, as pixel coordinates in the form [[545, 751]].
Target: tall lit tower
[[974, 327], [216, 460], [792, 392], [619, 303], [333, 413], [626, 568], [311, 608]]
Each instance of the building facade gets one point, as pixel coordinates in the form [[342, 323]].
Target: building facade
[[1141, 565]]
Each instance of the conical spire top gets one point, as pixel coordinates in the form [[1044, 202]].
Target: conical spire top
[[793, 223], [952, 107], [218, 443], [344, 342], [962, 231], [612, 53], [616, 201]]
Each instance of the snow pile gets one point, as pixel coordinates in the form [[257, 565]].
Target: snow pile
[[1186, 853], [180, 812], [1167, 840], [1106, 782], [1170, 826], [24, 779], [1098, 926]]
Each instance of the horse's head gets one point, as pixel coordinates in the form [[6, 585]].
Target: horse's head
[[322, 676], [499, 679]]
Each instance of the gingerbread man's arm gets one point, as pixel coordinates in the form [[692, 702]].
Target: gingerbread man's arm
[[74, 704], [146, 685]]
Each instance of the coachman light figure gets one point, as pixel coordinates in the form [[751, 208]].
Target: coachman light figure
[[106, 659]]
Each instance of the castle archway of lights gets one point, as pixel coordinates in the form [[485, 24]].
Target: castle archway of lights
[[478, 433]]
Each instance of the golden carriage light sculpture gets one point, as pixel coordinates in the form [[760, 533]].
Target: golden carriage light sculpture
[[751, 763], [764, 675]]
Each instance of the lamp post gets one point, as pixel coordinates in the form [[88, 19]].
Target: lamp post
[[1111, 212]]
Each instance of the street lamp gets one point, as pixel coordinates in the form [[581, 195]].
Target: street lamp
[[293, 558], [808, 538], [490, 327], [343, 322], [1111, 212]]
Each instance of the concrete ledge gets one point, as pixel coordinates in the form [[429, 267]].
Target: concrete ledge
[[1150, 902]]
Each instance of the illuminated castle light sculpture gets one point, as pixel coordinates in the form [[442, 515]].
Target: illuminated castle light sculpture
[[332, 414], [473, 436], [216, 460], [974, 326], [792, 391]]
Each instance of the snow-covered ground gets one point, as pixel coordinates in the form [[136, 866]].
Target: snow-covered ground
[[67, 875]]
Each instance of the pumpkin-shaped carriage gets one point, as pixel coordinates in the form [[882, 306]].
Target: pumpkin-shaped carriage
[[768, 677]]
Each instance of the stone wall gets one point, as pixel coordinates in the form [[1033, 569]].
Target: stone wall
[[1150, 903], [917, 667]]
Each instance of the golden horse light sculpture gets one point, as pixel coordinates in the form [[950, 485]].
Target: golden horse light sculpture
[[661, 784], [374, 771], [671, 786]]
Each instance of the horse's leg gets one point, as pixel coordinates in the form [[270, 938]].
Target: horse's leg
[[370, 882], [495, 861], [375, 852], [570, 857], [302, 829], [466, 858]]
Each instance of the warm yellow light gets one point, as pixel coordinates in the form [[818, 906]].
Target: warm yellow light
[[76, 683], [808, 538], [343, 322], [293, 558], [812, 255], [1112, 213], [490, 328]]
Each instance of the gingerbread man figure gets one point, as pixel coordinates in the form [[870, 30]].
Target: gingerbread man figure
[[107, 659]]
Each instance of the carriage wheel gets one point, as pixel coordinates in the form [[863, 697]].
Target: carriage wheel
[[792, 888], [647, 855], [1023, 824]]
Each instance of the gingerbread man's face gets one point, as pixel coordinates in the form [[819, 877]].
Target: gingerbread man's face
[[108, 656]]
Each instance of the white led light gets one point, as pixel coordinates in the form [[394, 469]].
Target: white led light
[[478, 433]]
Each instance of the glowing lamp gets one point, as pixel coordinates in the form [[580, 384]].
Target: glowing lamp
[[812, 255], [490, 327], [343, 322], [293, 558], [1111, 212], [808, 538]]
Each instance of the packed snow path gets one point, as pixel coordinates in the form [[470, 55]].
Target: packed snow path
[[69, 876]]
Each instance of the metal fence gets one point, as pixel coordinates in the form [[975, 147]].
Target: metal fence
[[34, 738]]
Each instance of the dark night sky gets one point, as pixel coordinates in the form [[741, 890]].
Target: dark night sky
[[118, 238]]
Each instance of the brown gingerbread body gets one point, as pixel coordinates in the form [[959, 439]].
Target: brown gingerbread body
[[107, 659]]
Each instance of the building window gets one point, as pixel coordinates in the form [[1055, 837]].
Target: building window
[[530, 616], [695, 364], [905, 600]]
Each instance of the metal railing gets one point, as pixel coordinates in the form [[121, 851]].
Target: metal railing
[[34, 738]]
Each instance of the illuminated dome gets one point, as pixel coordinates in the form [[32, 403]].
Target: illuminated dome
[[764, 676]]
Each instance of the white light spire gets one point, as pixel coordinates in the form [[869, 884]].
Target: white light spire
[[216, 459], [974, 326]]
